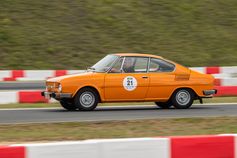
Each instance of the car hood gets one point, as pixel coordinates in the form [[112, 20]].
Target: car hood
[[60, 78]]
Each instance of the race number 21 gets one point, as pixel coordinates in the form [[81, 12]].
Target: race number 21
[[129, 83]]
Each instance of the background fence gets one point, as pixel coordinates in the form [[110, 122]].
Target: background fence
[[225, 82]]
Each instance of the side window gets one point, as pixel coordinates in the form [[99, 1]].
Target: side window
[[135, 65], [141, 65], [117, 66], [159, 65]]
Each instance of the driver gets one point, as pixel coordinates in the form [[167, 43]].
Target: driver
[[128, 65]]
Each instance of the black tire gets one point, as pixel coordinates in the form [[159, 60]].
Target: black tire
[[68, 105], [83, 97], [183, 98], [164, 105]]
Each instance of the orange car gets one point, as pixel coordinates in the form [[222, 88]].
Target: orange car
[[132, 77]]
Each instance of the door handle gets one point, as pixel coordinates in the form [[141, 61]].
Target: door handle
[[144, 76]]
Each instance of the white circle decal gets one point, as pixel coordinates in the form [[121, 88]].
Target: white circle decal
[[129, 83]]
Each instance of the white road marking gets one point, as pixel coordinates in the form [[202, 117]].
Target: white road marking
[[114, 106]]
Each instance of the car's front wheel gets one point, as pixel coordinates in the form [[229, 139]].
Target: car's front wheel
[[68, 105], [183, 98], [86, 99], [164, 105]]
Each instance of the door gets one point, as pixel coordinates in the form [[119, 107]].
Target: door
[[162, 79], [128, 80]]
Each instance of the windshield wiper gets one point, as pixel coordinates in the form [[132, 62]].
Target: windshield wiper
[[91, 68]]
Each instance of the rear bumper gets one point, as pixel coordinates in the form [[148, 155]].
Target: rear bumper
[[209, 92], [49, 95]]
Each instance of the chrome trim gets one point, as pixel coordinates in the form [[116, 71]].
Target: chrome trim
[[56, 95], [209, 92], [121, 68], [148, 66]]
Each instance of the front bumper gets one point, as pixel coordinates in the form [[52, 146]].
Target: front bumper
[[209, 92], [49, 95]]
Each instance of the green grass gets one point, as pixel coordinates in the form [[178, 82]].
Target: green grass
[[44, 105], [116, 129], [64, 34]]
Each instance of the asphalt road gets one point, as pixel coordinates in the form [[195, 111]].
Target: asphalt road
[[112, 113]]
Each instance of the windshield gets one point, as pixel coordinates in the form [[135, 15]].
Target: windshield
[[104, 64]]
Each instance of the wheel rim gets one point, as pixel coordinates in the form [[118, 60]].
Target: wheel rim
[[183, 97], [87, 99]]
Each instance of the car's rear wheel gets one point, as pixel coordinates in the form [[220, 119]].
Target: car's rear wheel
[[68, 105], [86, 99], [183, 98], [164, 105]]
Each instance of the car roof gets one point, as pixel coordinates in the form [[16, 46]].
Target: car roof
[[137, 54]]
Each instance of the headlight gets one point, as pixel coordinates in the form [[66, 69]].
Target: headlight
[[60, 88]]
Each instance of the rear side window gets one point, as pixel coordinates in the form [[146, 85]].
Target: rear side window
[[141, 64], [159, 65]]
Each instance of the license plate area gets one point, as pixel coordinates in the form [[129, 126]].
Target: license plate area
[[47, 95]]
